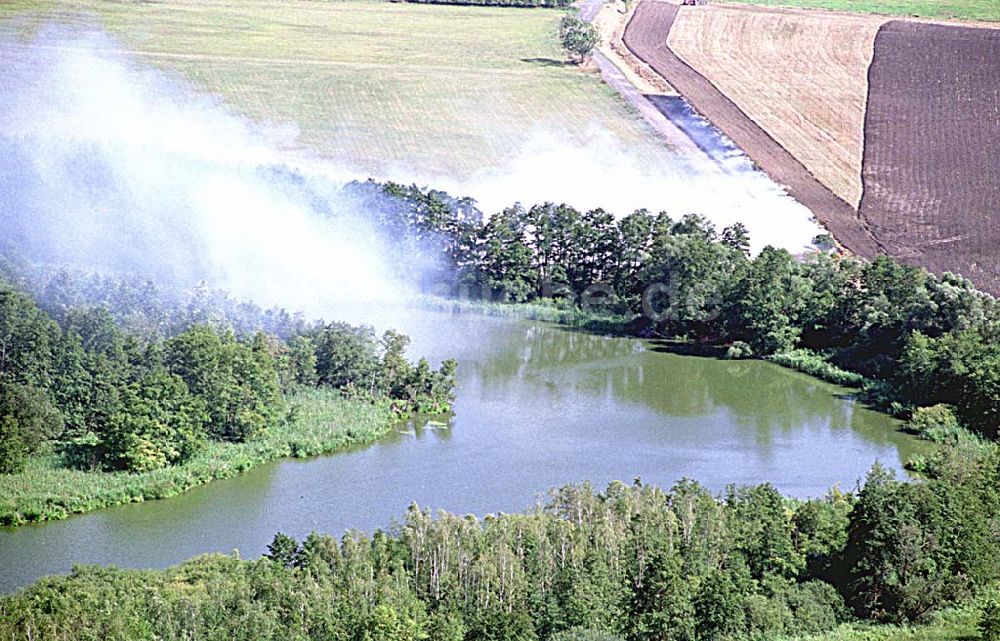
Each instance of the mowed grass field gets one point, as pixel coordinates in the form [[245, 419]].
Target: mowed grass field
[[802, 76], [373, 85], [942, 9]]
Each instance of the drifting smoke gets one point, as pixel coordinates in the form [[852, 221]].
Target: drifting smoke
[[108, 165], [602, 173]]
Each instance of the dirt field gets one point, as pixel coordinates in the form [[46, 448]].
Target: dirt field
[[791, 88], [932, 148], [647, 37], [800, 75]]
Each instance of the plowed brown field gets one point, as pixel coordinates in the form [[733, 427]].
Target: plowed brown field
[[932, 148], [646, 37], [801, 75]]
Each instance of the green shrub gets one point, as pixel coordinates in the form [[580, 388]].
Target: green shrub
[[815, 364], [578, 37], [27, 419], [939, 424], [989, 618], [816, 607], [739, 351]]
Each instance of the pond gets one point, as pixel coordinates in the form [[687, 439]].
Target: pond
[[538, 406]]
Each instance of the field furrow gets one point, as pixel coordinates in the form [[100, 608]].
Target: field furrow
[[932, 152]]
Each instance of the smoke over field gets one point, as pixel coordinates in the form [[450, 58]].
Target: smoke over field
[[602, 174], [111, 164]]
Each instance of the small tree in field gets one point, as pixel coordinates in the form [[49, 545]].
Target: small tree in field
[[578, 37]]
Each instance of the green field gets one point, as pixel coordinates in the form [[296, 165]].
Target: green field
[[443, 90], [945, 9]]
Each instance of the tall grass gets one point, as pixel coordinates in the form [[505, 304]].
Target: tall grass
[[939, 424], [323, 422], [817, 365], [544, 311], [954, 624]]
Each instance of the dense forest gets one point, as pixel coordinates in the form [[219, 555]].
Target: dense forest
[[912, 339], [634, 562], [112, 377]]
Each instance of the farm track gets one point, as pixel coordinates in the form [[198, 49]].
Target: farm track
[[646, 37], [663, 126], [931, 167], [631, 88]]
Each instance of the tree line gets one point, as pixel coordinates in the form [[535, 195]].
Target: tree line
[[918, 340], [634, 562], [73, 381], [140, 304]]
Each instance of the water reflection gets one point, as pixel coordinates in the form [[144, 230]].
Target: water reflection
[[564, 364]]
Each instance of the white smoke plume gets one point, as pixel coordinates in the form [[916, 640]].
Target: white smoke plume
[[602, 173], [107, 164], [110, 164]]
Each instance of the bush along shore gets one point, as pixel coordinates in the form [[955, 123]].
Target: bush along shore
[[324, 421]]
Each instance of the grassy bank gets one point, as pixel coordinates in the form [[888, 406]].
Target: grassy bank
[[324, 422], [809, 362], [953, 624], [544, 311], [988, 10]]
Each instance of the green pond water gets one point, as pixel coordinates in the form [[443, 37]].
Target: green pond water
[[538, 406]]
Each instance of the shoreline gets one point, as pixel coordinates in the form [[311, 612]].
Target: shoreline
[[47, 491]]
